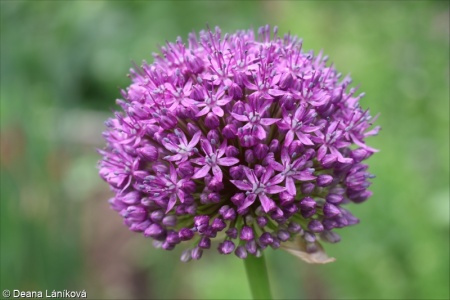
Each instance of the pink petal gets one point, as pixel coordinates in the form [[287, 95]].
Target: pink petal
[[187, 86], [245, 186], [169, 146], [217, 173], [268, 121], [309, 129], [276, 93], [290, 186], [299, 113], [276, 166], [362, 145], [204, 111], [173, 173], [266, 176], [181, 195], [222, 148], [266, 203], [339, 156], [188, 102], [283, 125], [227, 161], [288, 138], [304, 176], [276, 179], [321, 101], [304, 139], [217, 111], [194, 140], [321, 152], [202, 172], [206, 146], [224, 101], [250, 175], [285, 158], [240, 117], [275, 189], [172, 202], [332, 127], [173, 106], [259, 131], [198, 161], [249, 200], [173, 157], [373, 131]]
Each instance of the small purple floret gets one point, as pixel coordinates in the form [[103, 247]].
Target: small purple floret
[[226, 247]]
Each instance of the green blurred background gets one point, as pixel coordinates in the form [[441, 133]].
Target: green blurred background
[[62, 64]]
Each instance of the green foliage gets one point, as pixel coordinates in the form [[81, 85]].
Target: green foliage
[[63, 64]]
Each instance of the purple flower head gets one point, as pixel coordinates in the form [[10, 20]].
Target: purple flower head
[[244, 140]]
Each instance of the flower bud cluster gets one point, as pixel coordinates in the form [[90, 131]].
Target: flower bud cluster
[[241, 138]]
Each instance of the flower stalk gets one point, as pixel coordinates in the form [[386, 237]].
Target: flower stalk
[[258, 278]]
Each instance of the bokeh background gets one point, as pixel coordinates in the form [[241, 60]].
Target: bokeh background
[[62, 65]]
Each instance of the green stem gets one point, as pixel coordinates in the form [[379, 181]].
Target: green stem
[[257, 277]]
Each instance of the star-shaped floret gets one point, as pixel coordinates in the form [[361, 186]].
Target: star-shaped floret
[[259, 187], [213, 160], [184, 149]]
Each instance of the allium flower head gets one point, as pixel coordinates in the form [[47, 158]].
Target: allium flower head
[[244, 139]]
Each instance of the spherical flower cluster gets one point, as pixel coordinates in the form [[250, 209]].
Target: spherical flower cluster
[[241, 138]]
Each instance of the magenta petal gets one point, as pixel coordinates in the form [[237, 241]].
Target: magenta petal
[[250, 175], [172, 202], [309, 129], [290, 186], [285, 158], [217, 111], [206, 146], [276, 179], [173, 173], [276, 166], [240, 117], [283, 125], [361, 144], [224, 101], [321, 152], [202, 172], [217, 173], [173, 157], [289, 138], [299, 113], [245, 186], [276, 92], [266, 203], [227, 161], [275, 189], [259, 131], [339, 156], [194, 140], [332, 127], [188, 102], [249, 200], [222, 149], [169, 146], [203, 112], [181, 195], [198, 161], [304, 176], [266, 176], [304, 139], [268, 121]]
